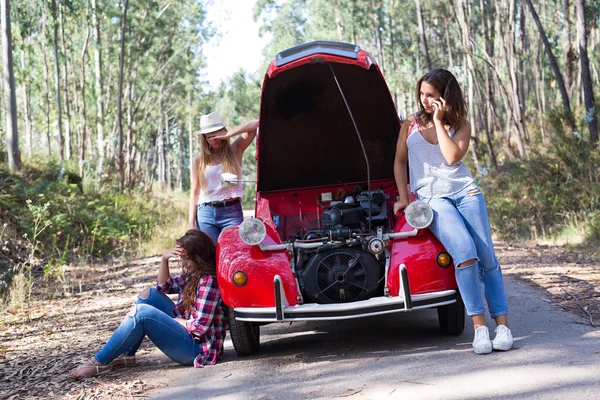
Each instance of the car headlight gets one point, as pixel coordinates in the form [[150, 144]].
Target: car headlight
[[252, 231], [419, 214]]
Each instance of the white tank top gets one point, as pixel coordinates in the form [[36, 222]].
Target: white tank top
[[430, 175], [213, 190]]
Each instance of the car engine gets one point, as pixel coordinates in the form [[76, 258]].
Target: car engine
[[345, 267]]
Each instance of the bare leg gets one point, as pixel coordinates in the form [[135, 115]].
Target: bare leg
[[502, 320]]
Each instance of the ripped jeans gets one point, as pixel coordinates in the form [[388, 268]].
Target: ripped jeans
[[152, 318], [461, 224]]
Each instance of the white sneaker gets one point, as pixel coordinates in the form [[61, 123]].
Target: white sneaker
[[503, 340], [481, 342]]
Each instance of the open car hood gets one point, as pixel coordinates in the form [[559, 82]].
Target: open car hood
[[307, 137]]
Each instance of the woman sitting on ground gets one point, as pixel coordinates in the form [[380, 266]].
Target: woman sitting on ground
[[191, 331]]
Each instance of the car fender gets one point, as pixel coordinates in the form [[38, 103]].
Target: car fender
[[418, 254], [260, 267]]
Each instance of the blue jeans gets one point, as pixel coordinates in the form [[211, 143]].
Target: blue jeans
[[212, 220], [461, 224], [152, 318]]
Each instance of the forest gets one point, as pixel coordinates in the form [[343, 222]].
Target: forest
[[101, 101]]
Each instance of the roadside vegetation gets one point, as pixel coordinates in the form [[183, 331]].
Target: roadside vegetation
[[550, 197], [51, 219]]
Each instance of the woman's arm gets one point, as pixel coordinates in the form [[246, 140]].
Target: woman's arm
[[453, 148], [163, 271], [400, 160], [247, 132], [165, 283], [194, 193]]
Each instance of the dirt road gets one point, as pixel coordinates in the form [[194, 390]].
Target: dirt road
[[553, 293]]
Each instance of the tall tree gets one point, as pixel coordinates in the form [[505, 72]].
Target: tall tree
[[55, 24], [567, 49], [12, 134], [557, 74], [422, 37], [591, 116], [98, 85], [83, 113], [121, 164]]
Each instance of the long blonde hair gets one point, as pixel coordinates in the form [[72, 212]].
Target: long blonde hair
[[209, 154]]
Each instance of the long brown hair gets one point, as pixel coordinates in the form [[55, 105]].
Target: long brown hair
[[201, 251], [208, 155], [456, 108]]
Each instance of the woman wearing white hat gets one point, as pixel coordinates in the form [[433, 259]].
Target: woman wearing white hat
[[212, 206]]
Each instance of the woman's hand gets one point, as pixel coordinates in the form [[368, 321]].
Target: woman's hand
[[439, 109], [163, 271], [181, 321], [172, 253], [400, 205]]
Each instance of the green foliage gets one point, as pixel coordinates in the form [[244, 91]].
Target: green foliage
[[61, 223], [550, 194]]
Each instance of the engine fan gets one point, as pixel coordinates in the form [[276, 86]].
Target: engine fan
[[341, 276]]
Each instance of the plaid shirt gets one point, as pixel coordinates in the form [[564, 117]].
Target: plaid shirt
[[206, 322]]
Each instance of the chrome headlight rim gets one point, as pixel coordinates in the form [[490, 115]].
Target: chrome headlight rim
[[252, 231], [419, 214]]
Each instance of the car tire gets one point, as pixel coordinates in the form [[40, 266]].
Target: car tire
[[452, 317], [244, 335]]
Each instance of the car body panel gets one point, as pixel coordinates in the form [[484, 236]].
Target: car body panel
[[325, 111]]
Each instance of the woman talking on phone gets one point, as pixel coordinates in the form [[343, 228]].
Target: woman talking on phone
[[434, 141]]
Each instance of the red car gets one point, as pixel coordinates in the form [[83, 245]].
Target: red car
[[324, 244]]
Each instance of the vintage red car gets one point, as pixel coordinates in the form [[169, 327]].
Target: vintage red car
[[324, 244]]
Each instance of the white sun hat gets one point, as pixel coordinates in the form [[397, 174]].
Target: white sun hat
[[210, 123]]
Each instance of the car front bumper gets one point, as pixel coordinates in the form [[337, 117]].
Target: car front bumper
[[282, 312]]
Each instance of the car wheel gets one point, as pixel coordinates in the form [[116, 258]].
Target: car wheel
[[244, 335], [452, 317]]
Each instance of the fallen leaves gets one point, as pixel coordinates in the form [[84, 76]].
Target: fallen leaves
[[39, 345]]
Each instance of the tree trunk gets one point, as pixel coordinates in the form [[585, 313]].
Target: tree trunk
[[448, 46], [567, 49], [511, 58], [129, 148], [119, 98], [190, 129], [27, 105], [83, 100], [12, 134], [160, 142], [539, 84], [180, 157], [98, 85], [61, 139], [557, 74], [422, 37], [166, 147], [46, 77], [591, 116], [338, 21], [523, 52], [460, 12], [66, 85], [488, 92]]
